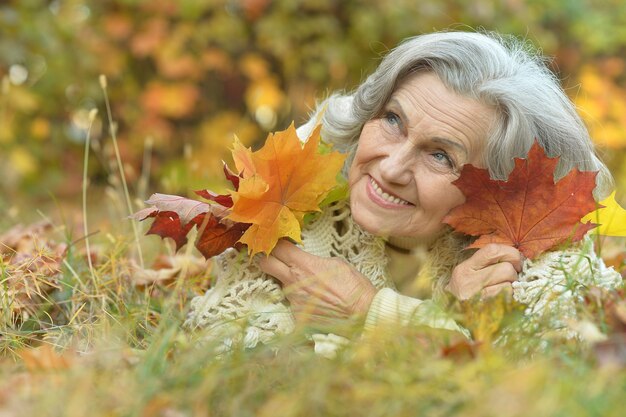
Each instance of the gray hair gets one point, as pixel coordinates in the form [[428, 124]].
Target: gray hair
[[505, 73]]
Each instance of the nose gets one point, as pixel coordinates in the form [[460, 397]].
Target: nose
[[397, 167]]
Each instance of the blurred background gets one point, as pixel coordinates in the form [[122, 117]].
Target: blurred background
[[183, 76]]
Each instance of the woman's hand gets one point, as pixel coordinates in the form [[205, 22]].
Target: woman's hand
[[321, 291], [488, 271]]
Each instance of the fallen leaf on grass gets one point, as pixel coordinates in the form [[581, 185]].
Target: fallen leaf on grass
[[461, 349], [485, 318], [610, 306], [23, 239], [33, 264], [167, 269], [45, 358], [529, 211]]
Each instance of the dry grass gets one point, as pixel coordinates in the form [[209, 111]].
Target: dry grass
[[82, 335], [107, 347]]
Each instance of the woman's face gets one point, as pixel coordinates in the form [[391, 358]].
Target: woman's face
[[400, 179]]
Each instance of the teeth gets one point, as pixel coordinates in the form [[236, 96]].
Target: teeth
[[386, 196]]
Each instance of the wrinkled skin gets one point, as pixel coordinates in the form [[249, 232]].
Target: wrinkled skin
[[323, 292]]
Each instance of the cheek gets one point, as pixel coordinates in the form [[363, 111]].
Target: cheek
[[453, 197], [369, 142], [362, 157], [442, 196]]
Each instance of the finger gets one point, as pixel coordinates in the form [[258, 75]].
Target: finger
[[288, 253], [494, 253], [276, 268], [494, 290], [499, 273]]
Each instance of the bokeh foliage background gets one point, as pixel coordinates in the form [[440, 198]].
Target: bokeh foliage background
[[185, 75]]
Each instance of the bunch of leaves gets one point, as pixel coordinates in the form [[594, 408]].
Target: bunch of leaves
[[528, 211], [274, 188]]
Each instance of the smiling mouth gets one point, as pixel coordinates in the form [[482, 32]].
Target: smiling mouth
[[385, 196]]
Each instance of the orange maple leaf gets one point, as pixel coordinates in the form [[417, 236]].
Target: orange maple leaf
[[279, 184], [528, 211]]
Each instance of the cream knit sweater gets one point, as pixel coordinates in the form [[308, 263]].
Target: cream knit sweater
[[245, 306]]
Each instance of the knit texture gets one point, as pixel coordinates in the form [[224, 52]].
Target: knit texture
[[554, 284], [246, 306]]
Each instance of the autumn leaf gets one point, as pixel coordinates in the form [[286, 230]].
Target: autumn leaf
[[23, 239], [610, 216], [167, 268], [45, 358], [217, 235], [222, 199], [279, 184], [32, 264], [528, 211], [462, 348], [175, 216]]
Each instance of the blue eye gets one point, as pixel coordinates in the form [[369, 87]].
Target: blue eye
[[392, 118], [443, 158]]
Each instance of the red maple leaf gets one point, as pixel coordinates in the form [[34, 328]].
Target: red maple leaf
[[528, 211], [175, 216], [223, 199]]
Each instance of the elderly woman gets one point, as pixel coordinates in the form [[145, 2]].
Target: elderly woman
[[435, 103]]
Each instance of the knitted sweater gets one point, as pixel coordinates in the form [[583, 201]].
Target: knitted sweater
[[246, 306]]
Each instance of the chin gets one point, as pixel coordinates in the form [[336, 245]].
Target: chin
[[363, 220], [370, 222]]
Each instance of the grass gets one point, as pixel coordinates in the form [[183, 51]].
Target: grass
[[120, 350], [78, 337]]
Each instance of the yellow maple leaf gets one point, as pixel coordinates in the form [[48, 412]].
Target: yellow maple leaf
[[280, 183], [611, 217]]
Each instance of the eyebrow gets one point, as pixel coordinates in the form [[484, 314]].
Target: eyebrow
[[437, 139], [450, 142]]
